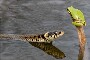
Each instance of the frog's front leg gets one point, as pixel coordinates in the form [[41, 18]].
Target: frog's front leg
[[77, 24]]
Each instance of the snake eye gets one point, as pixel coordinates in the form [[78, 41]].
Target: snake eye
[[60, 32]]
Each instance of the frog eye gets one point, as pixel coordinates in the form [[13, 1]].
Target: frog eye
[[68, 11]]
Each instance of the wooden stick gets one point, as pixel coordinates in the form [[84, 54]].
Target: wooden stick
[[82, 42]]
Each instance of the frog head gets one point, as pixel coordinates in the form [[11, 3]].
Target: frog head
[[77, 16]]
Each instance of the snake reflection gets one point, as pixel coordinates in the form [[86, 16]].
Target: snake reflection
[[49, 49]]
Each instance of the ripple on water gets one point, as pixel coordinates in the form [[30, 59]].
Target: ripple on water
[[49, 23], [56, 2], [86, 53]]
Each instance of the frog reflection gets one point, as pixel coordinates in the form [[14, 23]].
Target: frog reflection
[[49, 49]]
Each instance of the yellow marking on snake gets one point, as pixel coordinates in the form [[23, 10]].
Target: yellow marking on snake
[[46, 37]]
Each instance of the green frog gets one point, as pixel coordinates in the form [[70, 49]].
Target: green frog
[[77, 16]]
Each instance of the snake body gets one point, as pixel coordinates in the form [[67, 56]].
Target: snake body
[[45, 37]]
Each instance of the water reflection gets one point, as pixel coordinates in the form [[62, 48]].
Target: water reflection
[[49, 49]]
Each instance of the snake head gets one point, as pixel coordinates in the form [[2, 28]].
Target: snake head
[[53, 35]]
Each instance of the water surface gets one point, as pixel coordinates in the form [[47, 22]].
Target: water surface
[[39, 16]]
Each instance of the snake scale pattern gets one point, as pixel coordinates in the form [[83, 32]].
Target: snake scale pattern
[[45, 37]]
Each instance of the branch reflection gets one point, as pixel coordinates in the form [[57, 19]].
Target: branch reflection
[[49, 49]]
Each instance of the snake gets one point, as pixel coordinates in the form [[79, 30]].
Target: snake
[[44, 37]]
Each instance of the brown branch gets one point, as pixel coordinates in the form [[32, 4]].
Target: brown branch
[[82, 42]]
